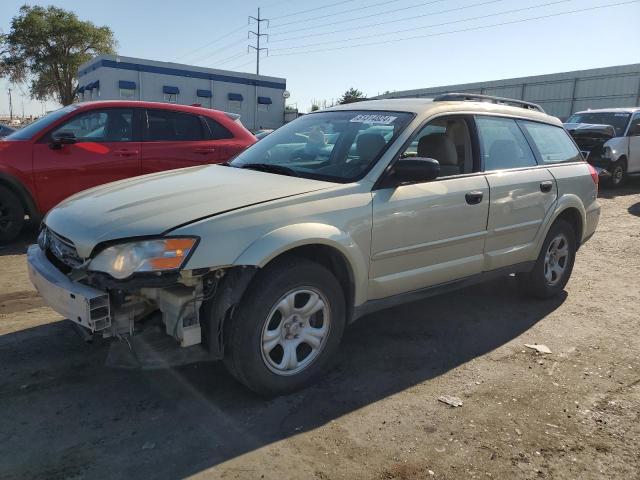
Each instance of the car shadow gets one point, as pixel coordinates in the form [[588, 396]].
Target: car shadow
[[19, 246], [631, 186], [67, 415], [634, 209]]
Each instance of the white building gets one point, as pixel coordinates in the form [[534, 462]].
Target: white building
[[258, 99], [560, 94]]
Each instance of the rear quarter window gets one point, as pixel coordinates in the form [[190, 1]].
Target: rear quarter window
[[553, 143]]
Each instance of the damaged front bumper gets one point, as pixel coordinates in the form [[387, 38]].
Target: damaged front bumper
[[98, 311], [83, 305]]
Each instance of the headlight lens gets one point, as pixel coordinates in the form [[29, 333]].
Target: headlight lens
[[121, 261]]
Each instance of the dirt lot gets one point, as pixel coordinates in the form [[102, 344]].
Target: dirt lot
[[571, 414]]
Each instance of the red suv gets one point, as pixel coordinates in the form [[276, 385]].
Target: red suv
[[84, 145]]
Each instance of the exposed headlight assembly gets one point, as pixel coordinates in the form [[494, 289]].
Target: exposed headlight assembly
[[161, 255]]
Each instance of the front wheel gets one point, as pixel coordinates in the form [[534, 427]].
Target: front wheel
[[554, 265], [287, 328], [618, 174], [11, 215]]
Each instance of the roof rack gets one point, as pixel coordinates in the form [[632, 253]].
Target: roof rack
[[474, 97]]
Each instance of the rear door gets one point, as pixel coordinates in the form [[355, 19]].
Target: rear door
[[176, 140], [522, 192], [106, 149]]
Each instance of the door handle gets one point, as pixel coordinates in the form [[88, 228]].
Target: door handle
[[204, 151], [126, 153], [546, 186], [473, 198]]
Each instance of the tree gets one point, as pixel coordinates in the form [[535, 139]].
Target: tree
[[352, 95], [46, 45]]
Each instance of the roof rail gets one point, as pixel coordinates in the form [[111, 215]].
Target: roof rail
[[474, 97]]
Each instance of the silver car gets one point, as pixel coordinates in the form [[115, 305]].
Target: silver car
[[264, 261]]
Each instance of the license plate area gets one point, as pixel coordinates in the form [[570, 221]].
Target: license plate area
[[79, 303]]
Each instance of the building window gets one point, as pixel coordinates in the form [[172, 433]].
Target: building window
[[263, 104], [127, 90], [170, 94], [204, 98], [235, 102]]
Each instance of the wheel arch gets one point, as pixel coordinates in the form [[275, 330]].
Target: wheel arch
[[28, 202], [321, 243], [571, 209]]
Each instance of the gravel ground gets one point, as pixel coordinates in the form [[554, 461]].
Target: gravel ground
[[571, 414]]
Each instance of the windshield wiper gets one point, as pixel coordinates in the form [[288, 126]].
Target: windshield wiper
[[270, 168]]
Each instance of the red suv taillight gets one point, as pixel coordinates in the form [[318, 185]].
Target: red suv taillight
[[594, 175]]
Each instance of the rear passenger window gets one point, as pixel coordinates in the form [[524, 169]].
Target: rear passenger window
[[503, 144], [165, 125], [553, 143], [217, 131]]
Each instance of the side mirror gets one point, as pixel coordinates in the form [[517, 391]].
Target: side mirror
[[416, 170], [59, 139]]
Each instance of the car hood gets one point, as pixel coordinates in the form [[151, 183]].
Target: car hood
[[591, 130], [154, 204]]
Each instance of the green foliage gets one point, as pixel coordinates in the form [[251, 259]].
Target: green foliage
[[352, 95], [46, 45]]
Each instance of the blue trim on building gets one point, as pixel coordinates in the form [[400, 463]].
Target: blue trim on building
[[80, 89], [126, 84], [236, 97], [204, 93], [170, 89], [138, 67], [265, 100]]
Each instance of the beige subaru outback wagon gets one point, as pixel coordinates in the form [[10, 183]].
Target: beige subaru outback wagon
[[262, 262]]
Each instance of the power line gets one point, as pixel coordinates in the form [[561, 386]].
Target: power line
[[218, 50], [312, 9], [468, 19], [373, 5], [236, 67], [258, 36], [378, 24], [470, 29], [232, 57], [222, 37]]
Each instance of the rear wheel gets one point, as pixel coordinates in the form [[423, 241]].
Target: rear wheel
[[287, 328], [554, 265], [11, 215]]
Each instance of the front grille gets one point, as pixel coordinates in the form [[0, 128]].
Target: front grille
[[61, 248]]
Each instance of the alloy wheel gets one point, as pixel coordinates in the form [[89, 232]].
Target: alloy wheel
[[295, 331], [556, 259]]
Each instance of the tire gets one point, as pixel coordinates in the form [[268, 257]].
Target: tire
[[271, 345], [550, 275], [618, 174], [11, 215]]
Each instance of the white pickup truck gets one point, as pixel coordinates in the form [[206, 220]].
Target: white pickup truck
[[609, 139]]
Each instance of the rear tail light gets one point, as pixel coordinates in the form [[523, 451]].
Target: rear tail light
[[594, 175]]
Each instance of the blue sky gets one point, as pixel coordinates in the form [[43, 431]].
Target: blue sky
[[213, 33]]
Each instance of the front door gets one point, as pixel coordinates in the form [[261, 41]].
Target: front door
[[106, 150], [522, 193], [431, 233], [176, 140], [634, 145]]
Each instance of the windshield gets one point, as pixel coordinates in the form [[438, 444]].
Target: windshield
[[30, 130], [337, 146], [618, 120]]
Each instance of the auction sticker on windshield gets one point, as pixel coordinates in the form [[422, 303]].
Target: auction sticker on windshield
[[374, 119]]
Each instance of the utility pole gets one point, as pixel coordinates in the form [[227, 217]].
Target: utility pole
[[10, 106], [258, 49]]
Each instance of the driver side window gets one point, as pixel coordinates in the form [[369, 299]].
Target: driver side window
[[446, 140], [113, 125]]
